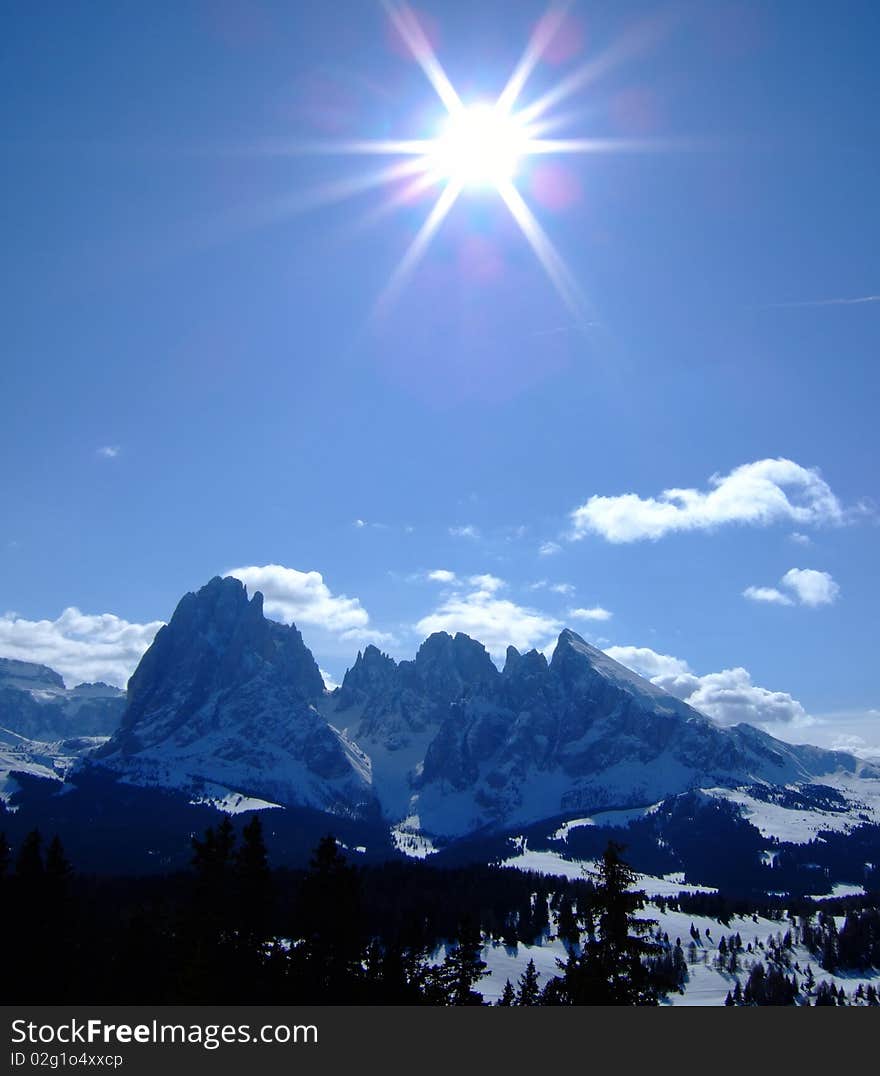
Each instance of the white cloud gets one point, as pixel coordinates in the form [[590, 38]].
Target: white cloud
[[854, 731], [108, 452], [549, 549], [647, 662], [304, 598], [557, 588], [467, 531], [801, 539], [596, 613], [441, 575], [758, 493], [767, 594], [728, 697], [359, 523], [495, 622], [329, 682], [811, 587], [487, 583], [80, 646]]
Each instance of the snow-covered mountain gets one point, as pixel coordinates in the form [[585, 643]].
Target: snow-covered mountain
[[229, 707], [35, 704], [21, 757], [488, 749], [224, 698]]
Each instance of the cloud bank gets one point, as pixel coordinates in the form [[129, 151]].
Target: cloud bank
[[82, 647], [728, 697], [304, 598], [496, 622], [757, 494]]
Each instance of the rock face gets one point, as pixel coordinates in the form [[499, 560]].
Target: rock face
[[35, 704], [224, 699], [487, 749]]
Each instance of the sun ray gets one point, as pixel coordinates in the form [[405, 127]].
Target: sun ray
[[547, 254], [543, 34], [366, 147], [407, 25], [544, 146], [416, 186], [636, 41], [416, 250], [350, 188]]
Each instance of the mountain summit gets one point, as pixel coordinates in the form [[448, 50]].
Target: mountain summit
[[224, 697]]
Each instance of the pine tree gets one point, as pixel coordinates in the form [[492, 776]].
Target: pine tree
[[567, 927], [326, 967], [809, 980], [529, 992], [508, 997], [610, 969], [464, 967], [58, 869], [29, 862], [254, 883]]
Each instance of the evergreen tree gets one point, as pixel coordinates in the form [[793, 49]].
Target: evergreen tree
[[29, 862], [610, 969], [567, 927], [254, 883], [326, 966], [529, 992], [809, 980], [508, 997], [463, 968], [58, 869]]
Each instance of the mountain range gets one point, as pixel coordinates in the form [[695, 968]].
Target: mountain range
[[228, 709]]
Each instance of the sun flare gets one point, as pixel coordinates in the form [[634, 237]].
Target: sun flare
[[479, 146]]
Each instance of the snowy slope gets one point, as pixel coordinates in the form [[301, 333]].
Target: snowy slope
[[707, 985], [35, 703], [49, 761]]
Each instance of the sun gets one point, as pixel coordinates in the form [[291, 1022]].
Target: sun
[[480, 145]]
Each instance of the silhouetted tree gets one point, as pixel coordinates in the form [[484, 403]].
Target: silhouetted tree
[[529, 992], [326, 965], [610, 968]]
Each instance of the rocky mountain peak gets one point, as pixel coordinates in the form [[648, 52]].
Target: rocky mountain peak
[[26, 674], [372, 674], [217, 640], [448, 665]]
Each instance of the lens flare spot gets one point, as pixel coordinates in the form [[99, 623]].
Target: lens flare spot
[[555, 187], [479, 146]]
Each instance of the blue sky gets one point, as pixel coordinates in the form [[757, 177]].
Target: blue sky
[[196, 378]]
